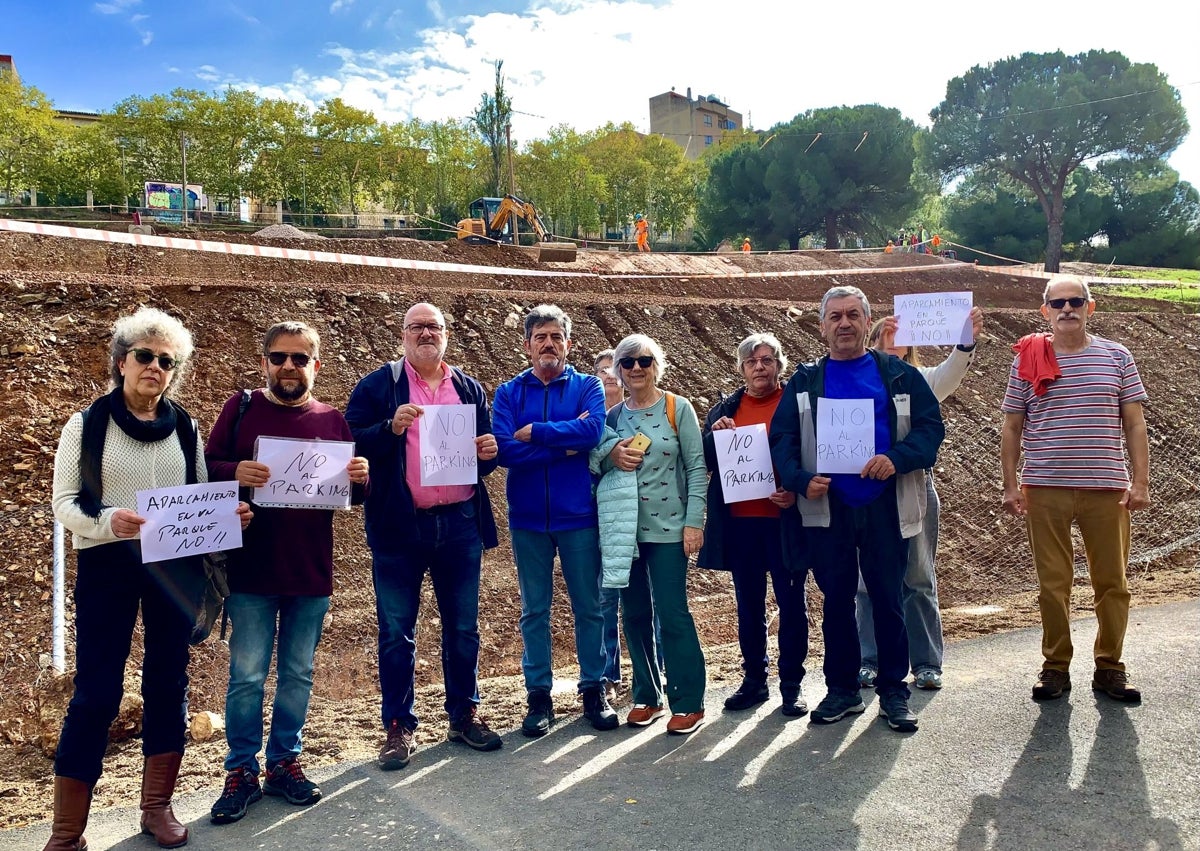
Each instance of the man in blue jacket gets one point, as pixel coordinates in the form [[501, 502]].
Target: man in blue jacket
[[414, 528], [857, 520], [547, 420]]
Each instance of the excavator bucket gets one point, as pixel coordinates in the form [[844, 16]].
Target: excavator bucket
[[555, 252]]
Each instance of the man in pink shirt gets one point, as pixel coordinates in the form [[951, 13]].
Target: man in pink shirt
[[414, 528]]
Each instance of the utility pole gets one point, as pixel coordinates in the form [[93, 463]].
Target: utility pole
[[303, 189], [183, 145], [512, 181]]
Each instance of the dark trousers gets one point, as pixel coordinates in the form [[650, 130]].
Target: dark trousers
[[111, 585], [753, 551], [868, 538], [447, 545]]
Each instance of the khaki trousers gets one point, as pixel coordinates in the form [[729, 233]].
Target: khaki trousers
[[1104, 525]]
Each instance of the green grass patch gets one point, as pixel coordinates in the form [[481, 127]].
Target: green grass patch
[[1187, 276], [1184, 293]]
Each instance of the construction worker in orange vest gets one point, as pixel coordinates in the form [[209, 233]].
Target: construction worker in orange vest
[[746, 245], [642, 229]]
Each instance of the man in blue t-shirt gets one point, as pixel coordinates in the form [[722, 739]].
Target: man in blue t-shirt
[[862, 520]]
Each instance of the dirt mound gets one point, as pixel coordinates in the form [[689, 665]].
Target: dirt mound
[[284, 232], [61, 296]]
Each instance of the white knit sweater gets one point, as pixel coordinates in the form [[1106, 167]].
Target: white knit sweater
[[128, 466]]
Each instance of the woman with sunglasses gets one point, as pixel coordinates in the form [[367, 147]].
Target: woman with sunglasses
[[131, 439], [746, 538], [922, 617], [671, 481]]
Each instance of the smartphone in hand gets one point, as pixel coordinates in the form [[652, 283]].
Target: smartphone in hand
[[640, 442]]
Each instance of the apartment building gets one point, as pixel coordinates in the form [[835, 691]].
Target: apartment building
[[693, 124]]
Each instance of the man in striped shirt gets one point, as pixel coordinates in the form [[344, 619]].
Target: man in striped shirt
[[1071, 398]]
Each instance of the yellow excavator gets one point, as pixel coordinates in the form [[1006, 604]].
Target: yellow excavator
[[492, 221]]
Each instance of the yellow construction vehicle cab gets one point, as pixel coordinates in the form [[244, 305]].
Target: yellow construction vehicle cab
[[492, 221]]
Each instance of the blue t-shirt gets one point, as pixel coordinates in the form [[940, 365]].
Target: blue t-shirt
[[859, 379]]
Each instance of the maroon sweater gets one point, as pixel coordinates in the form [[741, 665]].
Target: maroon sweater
[[286, 551]]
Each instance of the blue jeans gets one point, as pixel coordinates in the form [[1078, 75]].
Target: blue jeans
[[868, 538], [754, 551], [447, 545], [922, 616], [610, 605], [579, 555], [258, 620]]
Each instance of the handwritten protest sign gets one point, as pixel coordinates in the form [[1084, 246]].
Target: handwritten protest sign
[[189, 520], [845, 434], [934, 319], [744, 463], [448, 455], [304, 473]]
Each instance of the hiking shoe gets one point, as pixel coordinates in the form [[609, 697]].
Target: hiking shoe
[[472, 732], [927, 679], [682, 723], [1051, 684], [1116, 685], [866, 677], [836, 706], [540, 716], [894, 707], [288, 781], [597, 710], [794, 704], [642, 715], [398, 749], [750, 693], [241, 790]]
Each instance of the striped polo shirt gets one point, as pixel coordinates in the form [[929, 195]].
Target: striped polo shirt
[[1072, 436]]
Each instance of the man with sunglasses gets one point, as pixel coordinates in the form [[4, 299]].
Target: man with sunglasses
[[1072, 397], [414, 529], [282, 577], [547, 420]]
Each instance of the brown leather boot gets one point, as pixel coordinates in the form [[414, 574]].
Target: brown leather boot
[[158, 785], [72, 800]]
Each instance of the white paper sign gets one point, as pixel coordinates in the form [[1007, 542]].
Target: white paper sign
[[189, 520], [448, 454], [304, 473], [744, 463], [845, 434], [934, 319]]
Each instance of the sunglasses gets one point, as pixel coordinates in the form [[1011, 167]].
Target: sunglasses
[[644, 362], [146, 357], [1074, 301], [299, 359]]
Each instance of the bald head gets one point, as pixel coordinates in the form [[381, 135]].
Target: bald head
[[425, 335]]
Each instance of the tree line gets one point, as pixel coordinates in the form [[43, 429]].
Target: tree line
[[1036, 157]]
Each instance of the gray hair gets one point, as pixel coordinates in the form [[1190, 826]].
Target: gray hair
[[634, 345], [842, 292], [150, 323], [544, 313], [289, 329], [1062, 279], [745, 349], [606, 354]]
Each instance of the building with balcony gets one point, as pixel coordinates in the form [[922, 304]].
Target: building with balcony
[[693, 124]]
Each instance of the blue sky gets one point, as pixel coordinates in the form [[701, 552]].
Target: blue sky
[[579, 62]]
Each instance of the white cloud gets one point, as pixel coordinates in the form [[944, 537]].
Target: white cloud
[[339, 5], [115, 7], [208, 73]]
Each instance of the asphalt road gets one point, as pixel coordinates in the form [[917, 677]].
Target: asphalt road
[[989, 769]]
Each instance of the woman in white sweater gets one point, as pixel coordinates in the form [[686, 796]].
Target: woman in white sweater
[[922, 618], [131, 439]]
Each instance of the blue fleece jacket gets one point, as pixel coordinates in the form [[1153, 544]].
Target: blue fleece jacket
[[549, 485]]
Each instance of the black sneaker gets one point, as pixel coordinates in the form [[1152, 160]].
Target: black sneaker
[[472, 732], [287, 780], [597, 710], [398, 749], [836, 706], [894, 707], [750, 693], [794, 704], [540, 716], [241, 790]]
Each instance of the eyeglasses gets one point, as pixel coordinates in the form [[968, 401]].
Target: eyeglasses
[[643, 361], [422, 327], [765, 360], [145, 357], [299, 359], [1074, 301]]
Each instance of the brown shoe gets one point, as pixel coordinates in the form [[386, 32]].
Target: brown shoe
[[1051, 684], [158, 785], [1116, 685], [72, 801], [682, 723], [642, 715], [398, 749]]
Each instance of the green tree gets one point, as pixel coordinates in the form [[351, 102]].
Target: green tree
[[557, 176], [1151, 217], [347, 158], [1034, 119], [29, 135], [492, 119]]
